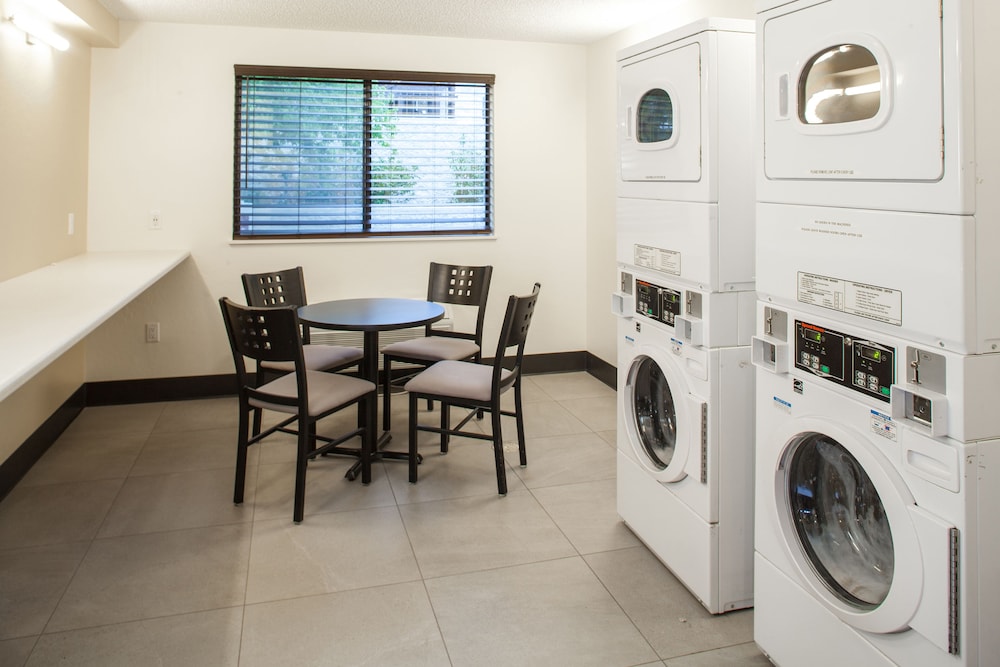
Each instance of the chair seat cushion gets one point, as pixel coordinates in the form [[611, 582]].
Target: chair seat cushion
[[432, 348], [456, 379], [319, 358], [326, 392]]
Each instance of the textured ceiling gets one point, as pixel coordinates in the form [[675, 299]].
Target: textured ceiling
[[567, 21]]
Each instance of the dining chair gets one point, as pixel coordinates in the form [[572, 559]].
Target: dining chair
[[288, 288], [272, 334], [477, 387], [451, 284]]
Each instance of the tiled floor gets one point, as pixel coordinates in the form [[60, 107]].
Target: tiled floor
[[122, 547]]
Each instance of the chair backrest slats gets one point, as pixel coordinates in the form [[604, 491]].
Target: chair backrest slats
[[461, 286], [514, 334]]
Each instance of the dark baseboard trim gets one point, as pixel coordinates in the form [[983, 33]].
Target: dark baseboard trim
[[602, 370], [25, 456], [121, 392]]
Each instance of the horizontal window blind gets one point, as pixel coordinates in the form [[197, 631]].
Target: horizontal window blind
[[323, 153]]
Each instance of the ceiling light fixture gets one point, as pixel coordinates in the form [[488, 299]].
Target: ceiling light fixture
[[35, 31]]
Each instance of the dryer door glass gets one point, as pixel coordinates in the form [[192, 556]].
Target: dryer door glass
[[654, 412], [840, 521], [840, 84], [654, 117]]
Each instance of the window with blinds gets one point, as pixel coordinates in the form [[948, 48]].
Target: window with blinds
[[335, 153]]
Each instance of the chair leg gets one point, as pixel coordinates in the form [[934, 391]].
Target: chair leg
[[519, 418], [241, 455], [386, 392], [300, 470], [498, 453], [369, 437], [445, 422], [413, 438], [257, 417]]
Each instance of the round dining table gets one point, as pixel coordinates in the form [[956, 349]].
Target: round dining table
[[371, 315]]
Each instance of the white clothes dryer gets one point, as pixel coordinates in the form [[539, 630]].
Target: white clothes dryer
[[870, 528], [678, 138], [685, 450], [928, 277], [885, 105]]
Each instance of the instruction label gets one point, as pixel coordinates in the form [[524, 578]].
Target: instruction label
[[883, 425], [881, 304], [667, 261]]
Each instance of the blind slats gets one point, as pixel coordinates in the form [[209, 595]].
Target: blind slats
[[327, 156]]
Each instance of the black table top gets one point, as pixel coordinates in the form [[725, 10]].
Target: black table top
[[371, 314]]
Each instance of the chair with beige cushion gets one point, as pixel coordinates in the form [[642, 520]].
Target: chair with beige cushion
[[478, 387], [451, 284], [272, 335], [288, 288]]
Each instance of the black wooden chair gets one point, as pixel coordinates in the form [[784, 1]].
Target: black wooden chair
[[287, 288], [451, 284], [272, 335], [478, 387]]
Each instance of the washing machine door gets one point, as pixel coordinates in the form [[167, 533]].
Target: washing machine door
[[846, 524], [665, 423], [853, 90], [659, 111]]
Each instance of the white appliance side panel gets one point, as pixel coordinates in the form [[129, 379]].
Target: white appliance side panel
[[987, 533], [677, 71], [904, 145], [910, 275], [792, 629], [676, 535]]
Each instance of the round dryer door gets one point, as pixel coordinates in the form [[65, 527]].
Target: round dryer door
[[846, 525], [658, 416]]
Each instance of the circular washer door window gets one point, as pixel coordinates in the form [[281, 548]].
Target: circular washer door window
[[654, 412]]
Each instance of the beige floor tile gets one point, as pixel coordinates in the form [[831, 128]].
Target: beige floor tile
[[468, 469], [31, 583], [327, 553], [598, 413], [210, 413], [84, 458], [566, 459], [189, 450], [195, 499], [159, 574], [206, 639], [542, 420], [586, 514], [741, 655], [385, 626], [563, 386], [671, 619], [55, 513], [15, 652], [549, 613], [116, 419], [610, 437], [481, 532], [327, 490]]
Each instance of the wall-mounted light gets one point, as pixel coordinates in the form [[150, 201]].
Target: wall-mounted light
[[38, 32]]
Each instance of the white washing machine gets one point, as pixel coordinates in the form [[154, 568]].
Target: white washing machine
[[686, 181], [878, 105], [874, 534], [685, 442]]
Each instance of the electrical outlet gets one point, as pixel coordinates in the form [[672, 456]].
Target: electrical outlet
[[155, 219], [71, 225], [152, 332]]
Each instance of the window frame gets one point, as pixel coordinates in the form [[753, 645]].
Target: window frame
[[365, 77]]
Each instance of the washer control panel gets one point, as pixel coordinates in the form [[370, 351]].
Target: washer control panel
[[659, 303], [865, 366]]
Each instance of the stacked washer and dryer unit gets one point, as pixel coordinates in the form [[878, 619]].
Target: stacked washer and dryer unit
[[877, 345], [685, 304]]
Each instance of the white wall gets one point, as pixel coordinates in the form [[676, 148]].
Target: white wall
[[602, 157], [161, 137]]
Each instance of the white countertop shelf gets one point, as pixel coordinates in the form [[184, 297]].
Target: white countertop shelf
[[53, 308]]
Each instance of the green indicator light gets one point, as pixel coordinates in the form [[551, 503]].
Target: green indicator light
[[825, 369], [885, 390]]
